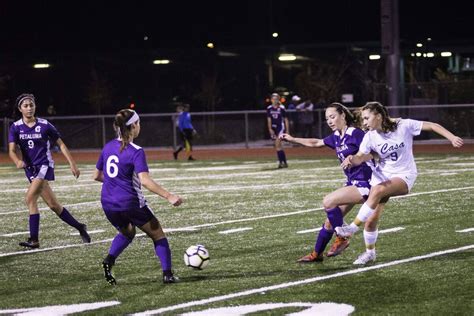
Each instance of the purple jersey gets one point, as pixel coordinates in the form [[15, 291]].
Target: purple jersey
[[277, 116], [121, 190], [35, 142], [349, 145]]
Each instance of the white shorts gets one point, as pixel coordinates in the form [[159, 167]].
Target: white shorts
[[379, 177]]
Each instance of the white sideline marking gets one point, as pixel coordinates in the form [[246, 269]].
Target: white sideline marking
[[14, 234], [231, 231], [391, 230], [312, 230], [467, 230], [301, 282], [58, 309], [90, 232]]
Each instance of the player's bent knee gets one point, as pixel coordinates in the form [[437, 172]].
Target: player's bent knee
[[328, 203]]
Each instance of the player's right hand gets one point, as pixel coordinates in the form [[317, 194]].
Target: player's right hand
[[175, 200], [20, 164], [347, 163], [286, 137]]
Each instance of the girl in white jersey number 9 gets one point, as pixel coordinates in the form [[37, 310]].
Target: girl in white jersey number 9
[[396, 172]]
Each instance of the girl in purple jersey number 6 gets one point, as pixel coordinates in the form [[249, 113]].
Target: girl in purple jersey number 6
[[122, 168], [345, 140], [35, 136]]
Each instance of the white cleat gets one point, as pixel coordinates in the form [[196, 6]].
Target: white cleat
[[346, 230], [365, 258]]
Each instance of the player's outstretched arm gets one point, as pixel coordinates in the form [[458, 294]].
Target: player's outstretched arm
[[440, 130], [308, 142], [355, 160], [75, 171], [14, 156], [154, 187]]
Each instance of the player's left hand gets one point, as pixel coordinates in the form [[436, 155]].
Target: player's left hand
[[175, 200], [347, 163], [75, 171], [457, 142]]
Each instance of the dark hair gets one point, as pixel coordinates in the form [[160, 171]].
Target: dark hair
[[24, 96], [120, 127], [352, 119], [388, 125]]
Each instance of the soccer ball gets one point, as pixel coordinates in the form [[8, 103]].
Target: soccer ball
[[196, 257]]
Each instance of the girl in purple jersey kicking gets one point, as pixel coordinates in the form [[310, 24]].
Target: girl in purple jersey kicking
[[35, 136], [345, 140], [122, 168]]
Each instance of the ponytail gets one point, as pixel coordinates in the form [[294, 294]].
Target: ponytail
[[121, 128]]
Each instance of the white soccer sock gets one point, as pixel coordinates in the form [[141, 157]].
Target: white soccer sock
[[370, 238], [365, 212]]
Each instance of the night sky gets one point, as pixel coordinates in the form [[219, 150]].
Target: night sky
[[79, 25]]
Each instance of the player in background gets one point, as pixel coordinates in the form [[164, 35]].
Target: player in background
[[277, 124], [187, 132], [345, 140], [122, 168], [175, 118], [35, 137], [392, 140]]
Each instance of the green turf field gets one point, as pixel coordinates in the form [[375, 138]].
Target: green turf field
[[270, 210]]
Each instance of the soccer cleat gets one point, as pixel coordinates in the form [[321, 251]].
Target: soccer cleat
[[168, 279], [312, 257], [30, 243], [365, 258], [84, 235], [339, 245], [346, 230], [108, 272], [191, 158]]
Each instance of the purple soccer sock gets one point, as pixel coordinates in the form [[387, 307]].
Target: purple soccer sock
[[163, 252], [34, 226], [324, 237], [283, 156], [279, 156], [69, 219], [118, 245], [335, 217]]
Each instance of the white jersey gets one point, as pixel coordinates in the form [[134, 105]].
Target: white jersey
[[395, 149]]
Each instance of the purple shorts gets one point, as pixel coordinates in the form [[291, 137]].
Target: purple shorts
[[362, 186], [39, 172], [136, 217]]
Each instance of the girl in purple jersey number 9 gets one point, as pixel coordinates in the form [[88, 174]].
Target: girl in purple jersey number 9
[[122, 168], [392, 140], [345, 140], [35, 136]]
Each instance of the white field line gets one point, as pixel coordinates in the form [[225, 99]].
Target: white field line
[[15, 234], [302, 282], [216, 189], [391, 230], [467, 230], [225, 222], [312, 230], [90, 232], [55, 188], [236, 230]]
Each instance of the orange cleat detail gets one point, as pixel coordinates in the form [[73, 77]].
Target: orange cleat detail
[[338, 246], [312, 257]]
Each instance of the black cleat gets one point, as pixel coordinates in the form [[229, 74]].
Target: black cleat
[[84, 235], [30, 243], [168, 279], [191, 158], [108, 273]]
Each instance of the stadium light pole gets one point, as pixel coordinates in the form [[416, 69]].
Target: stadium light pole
[[391, 49]]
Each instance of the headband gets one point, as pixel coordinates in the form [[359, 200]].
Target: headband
[[25, 96], [133, 119]]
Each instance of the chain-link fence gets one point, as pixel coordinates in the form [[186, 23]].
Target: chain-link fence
[[233, 127]]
